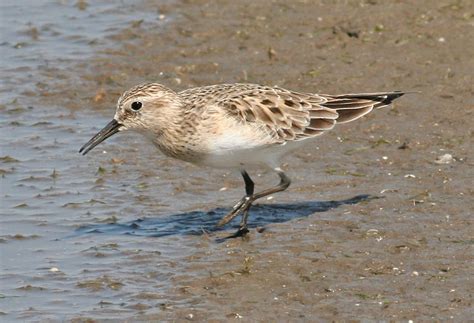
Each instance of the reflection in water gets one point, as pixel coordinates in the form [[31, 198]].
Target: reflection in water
[[198, 222]]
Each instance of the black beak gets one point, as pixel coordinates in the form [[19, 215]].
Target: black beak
[[110, 129]]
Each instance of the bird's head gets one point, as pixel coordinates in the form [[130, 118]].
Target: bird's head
[[145, 108]]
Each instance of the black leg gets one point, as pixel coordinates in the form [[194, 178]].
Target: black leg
[[249, 185], [249, 189], [285, 181], [245, 203]]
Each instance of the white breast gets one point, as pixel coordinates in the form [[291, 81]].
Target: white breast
[[232, 144], [237, 152]]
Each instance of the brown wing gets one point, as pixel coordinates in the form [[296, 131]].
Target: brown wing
[[288, 115], [285, 115], [353, 106]]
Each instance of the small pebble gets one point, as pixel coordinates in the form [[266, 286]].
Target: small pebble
[[372, 232], [444, 159]]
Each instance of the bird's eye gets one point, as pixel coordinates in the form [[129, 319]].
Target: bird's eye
[[136, 105]]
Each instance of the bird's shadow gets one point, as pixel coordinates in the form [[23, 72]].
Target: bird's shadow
[[199, 222]]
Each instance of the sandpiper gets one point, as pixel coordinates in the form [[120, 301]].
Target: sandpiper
[[234, 126]]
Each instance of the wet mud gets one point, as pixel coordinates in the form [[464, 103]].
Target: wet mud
[[377, 224]]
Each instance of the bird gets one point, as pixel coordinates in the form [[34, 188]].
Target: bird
[[235, 126]]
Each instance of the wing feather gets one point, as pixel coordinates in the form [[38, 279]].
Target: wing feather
[[353, 106], [287, 115]]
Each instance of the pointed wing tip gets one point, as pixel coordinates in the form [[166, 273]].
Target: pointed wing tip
[[396, 94], [410, 92]]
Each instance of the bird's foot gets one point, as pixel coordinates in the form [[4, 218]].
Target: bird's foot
[[242, 206], [242, 232]]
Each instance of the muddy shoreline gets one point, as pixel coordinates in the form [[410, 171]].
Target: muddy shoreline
[[375, 225]]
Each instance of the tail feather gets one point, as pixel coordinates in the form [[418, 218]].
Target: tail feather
[[353, 106]]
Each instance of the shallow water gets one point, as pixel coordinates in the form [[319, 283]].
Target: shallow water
[[48, 190], [126, 233], [37, 35]]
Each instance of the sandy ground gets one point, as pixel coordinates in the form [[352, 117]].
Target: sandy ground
[[403, 253]]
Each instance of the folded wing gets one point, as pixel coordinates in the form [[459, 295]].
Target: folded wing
[[353, 106], [286, 115]]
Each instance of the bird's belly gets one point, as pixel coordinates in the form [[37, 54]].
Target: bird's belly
[[265, 155], [234, 159], [235, 148]]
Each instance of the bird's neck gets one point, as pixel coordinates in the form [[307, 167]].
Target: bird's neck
[[175, 130]]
